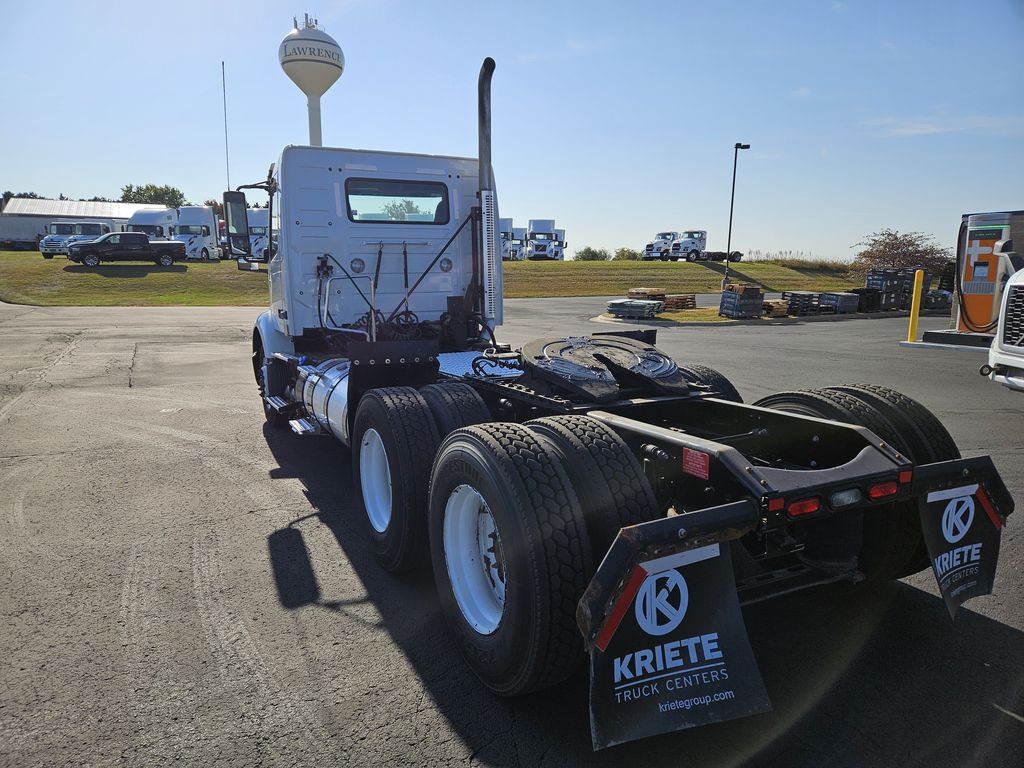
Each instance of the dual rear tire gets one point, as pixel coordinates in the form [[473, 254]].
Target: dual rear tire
[[519, 517], [892, 545], [514, 519]]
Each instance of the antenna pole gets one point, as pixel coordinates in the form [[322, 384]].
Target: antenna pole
[[224, 90]]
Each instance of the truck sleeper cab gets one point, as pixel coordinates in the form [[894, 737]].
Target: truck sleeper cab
[[196, 227]]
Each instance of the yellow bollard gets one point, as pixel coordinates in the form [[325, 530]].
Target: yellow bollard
[[915, 305]]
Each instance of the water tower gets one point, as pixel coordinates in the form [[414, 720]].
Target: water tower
[[314, 61]]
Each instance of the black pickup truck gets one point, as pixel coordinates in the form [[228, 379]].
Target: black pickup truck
[[127, 246]]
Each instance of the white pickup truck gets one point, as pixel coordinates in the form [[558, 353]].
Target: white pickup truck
[[1006, 355]]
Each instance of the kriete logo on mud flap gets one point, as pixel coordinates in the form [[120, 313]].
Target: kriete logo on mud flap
[[675, 653], [660, 607], [957, 519]]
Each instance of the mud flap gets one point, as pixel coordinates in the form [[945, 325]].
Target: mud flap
[[963, 506], [673, 651]]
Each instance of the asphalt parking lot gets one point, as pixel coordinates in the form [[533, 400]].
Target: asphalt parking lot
[[180, 584]]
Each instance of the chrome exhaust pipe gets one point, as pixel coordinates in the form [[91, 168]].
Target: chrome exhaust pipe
[[484, 123], [490, 255]]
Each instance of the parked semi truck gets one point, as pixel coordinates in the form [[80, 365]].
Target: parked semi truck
[[513, 240], [660, 246], [60, 234], [582, 496], [197, 229], [259, 229], [157, 224], [544, 241], [690, 245]]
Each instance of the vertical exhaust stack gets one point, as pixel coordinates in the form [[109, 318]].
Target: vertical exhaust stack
[[488, 200], [484, 124]]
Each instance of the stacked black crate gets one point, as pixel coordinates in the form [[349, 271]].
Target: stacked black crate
[[741, 305], [839, 303], [802, 303], [869, 299], [887, 282]]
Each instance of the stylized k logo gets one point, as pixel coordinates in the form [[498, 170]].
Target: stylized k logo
[[661, 602]]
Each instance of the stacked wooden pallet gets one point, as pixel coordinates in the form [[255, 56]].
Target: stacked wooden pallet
[[646, 294], [744, 288], [677, 301], [775, 307], [801, 302]]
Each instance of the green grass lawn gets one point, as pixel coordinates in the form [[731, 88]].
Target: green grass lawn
[[524, 279], [27, 278]]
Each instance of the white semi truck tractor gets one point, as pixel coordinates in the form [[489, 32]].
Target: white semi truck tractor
[[259, 228], [197, 229], [582, 495], [543, 241], [158, 224]]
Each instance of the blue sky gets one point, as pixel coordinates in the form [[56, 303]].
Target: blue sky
[[616, 119]]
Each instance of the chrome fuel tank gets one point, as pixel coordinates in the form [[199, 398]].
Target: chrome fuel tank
[[325, 394]]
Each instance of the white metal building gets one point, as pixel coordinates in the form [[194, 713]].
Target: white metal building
[[24, 219]]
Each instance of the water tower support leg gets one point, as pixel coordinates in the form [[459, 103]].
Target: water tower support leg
[[315, 137]]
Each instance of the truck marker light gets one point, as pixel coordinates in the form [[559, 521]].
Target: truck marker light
[[803, 507], [845, 498], [986, 504], [906, 476], [881, 490], [776, 505], [357, 265]]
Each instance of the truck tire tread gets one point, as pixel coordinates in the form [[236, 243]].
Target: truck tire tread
[[701, 374], [454, 405], [605, 473], [554, 538], [402, 417]]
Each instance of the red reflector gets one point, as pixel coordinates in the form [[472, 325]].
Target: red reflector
[[882, 490], [776, 505], [803, 507], [906, 476]]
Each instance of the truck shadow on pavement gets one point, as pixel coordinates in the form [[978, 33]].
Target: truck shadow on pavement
[[857, 679], [124, 270]]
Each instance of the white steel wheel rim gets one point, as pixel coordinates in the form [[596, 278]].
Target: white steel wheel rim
[[474, 558], [375, 480]]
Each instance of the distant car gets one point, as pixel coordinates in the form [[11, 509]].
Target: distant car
[[127, 246]]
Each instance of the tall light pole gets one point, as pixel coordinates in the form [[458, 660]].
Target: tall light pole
[[732, 199]]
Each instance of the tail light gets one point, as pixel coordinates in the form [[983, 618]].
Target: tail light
[[906, 476], [882, 490], [803, 507]]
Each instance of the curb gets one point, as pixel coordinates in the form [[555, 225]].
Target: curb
[[766, 321]]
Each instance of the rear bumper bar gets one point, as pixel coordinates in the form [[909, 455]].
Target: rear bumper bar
[[609, 592]]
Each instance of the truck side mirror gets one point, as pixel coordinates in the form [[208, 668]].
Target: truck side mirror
[[236, 227], [206, 231]]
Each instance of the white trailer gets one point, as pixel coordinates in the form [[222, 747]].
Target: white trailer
[[158, 223], [197, 229], [21, 233], [543, 241]]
